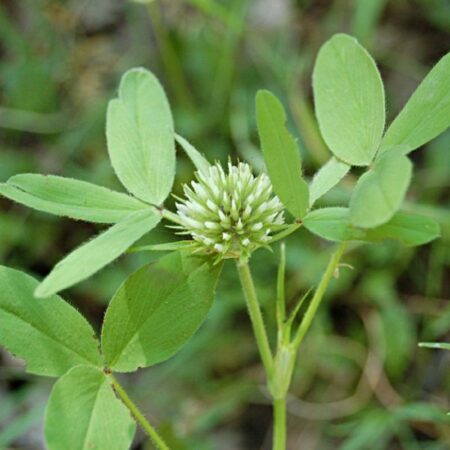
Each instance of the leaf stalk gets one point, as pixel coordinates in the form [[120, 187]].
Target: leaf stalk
[[137, 414]]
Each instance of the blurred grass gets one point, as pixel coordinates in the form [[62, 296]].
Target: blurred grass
[[361, 378]]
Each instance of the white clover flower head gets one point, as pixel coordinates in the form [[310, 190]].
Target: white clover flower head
[[229, 214]]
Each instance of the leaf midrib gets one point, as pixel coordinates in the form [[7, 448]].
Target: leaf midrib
[[280, 136], [92, 414], [79, 205], [142, 324], [51, 337]]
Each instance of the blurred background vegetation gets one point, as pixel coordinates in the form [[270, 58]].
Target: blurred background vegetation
[[361, 381]]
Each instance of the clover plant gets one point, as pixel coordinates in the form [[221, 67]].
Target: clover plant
[[225, 213]]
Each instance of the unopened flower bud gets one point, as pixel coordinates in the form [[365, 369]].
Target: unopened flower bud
[[229, 215]]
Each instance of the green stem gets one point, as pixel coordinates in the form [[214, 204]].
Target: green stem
[[279, 371], [318, 295], [281, 300], [279, 424], [256, 318], [143, 422]]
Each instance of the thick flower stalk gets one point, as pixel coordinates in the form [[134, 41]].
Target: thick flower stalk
[[229, 214]]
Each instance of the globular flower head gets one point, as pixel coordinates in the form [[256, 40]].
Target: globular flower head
[[229, 214]]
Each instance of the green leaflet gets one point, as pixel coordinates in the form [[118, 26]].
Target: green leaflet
[[349, 100], [409, 229], [199, 161], [83, 413], [50, 335], [427, 112], [140, 137], [380, 191], [157, 310], [69, 197], [326, 178], [97, 253], [281, 154], [334, 224]]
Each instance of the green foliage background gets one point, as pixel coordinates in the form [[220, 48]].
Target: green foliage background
[[361, 379]]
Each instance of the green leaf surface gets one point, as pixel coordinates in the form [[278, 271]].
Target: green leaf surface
[[157, 310], [97, 253], [50, 335], [410, 229], [140, 137], [326, 178], [83, 413], [68, 197], [334, 224], [380, 191], [427, 112], [349, 100], [199, 161], [281, 154]]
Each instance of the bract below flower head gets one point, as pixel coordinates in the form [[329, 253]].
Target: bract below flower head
[[229, 214]]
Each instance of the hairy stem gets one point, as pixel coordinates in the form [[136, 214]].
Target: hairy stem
[[256, 318], [143, 422], [318, 295], [281, 300], [278, 379], [279, 424]]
